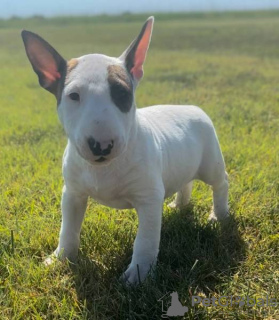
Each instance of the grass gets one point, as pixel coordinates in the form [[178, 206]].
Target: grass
[[228, 64]]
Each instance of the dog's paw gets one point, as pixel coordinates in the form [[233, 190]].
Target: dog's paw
[[50, 260], [173, 205], [135, 274], [61, 255], [214, 218]]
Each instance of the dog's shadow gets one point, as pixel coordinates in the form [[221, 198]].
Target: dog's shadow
[[196, 257], [199, 253]]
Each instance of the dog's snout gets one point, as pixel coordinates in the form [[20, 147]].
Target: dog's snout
[[96, 147]]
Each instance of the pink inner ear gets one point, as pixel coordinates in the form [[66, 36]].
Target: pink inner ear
[[43, 61], [140, 54], [51, 76]]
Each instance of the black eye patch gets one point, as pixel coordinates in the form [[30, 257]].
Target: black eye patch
[[121, 91], [121, 96]]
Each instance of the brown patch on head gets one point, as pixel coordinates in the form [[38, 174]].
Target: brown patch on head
[[121, 88], [71, 64]]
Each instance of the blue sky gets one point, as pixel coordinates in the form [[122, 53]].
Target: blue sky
[[24, 8]]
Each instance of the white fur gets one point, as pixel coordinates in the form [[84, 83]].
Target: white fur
[[159, 151]]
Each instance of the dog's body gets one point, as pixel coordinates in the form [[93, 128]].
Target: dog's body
[[120, 156], [170, 146]]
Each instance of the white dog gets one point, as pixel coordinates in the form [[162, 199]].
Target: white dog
[[121, 156]]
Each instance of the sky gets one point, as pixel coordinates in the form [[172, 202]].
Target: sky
[[26, 8]]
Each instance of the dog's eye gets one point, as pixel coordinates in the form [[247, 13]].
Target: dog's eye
[[74, 96]]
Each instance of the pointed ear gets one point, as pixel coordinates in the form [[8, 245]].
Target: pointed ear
[[45, 60], [135, 55]]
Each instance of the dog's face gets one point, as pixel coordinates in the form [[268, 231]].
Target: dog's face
[[95, 93], [97, 107]]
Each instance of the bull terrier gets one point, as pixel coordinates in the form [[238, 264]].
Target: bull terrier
[[121, 156]]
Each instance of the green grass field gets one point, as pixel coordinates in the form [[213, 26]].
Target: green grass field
[[228, 64]]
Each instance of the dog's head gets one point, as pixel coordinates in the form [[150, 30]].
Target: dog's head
[[95, 93]]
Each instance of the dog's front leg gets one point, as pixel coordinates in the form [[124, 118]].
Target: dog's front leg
[[73, 209], [146, 246]]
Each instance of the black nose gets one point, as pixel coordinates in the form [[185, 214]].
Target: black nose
[[96, 149]]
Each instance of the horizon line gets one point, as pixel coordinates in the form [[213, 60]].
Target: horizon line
[[127, 13]]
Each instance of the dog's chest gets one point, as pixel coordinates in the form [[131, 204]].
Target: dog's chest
[[106, 186]]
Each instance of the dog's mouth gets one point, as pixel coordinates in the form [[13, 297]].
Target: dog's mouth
[[101, 159]]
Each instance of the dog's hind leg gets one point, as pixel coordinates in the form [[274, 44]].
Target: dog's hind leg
[[212, 171], [182, 198], [220, 209]]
